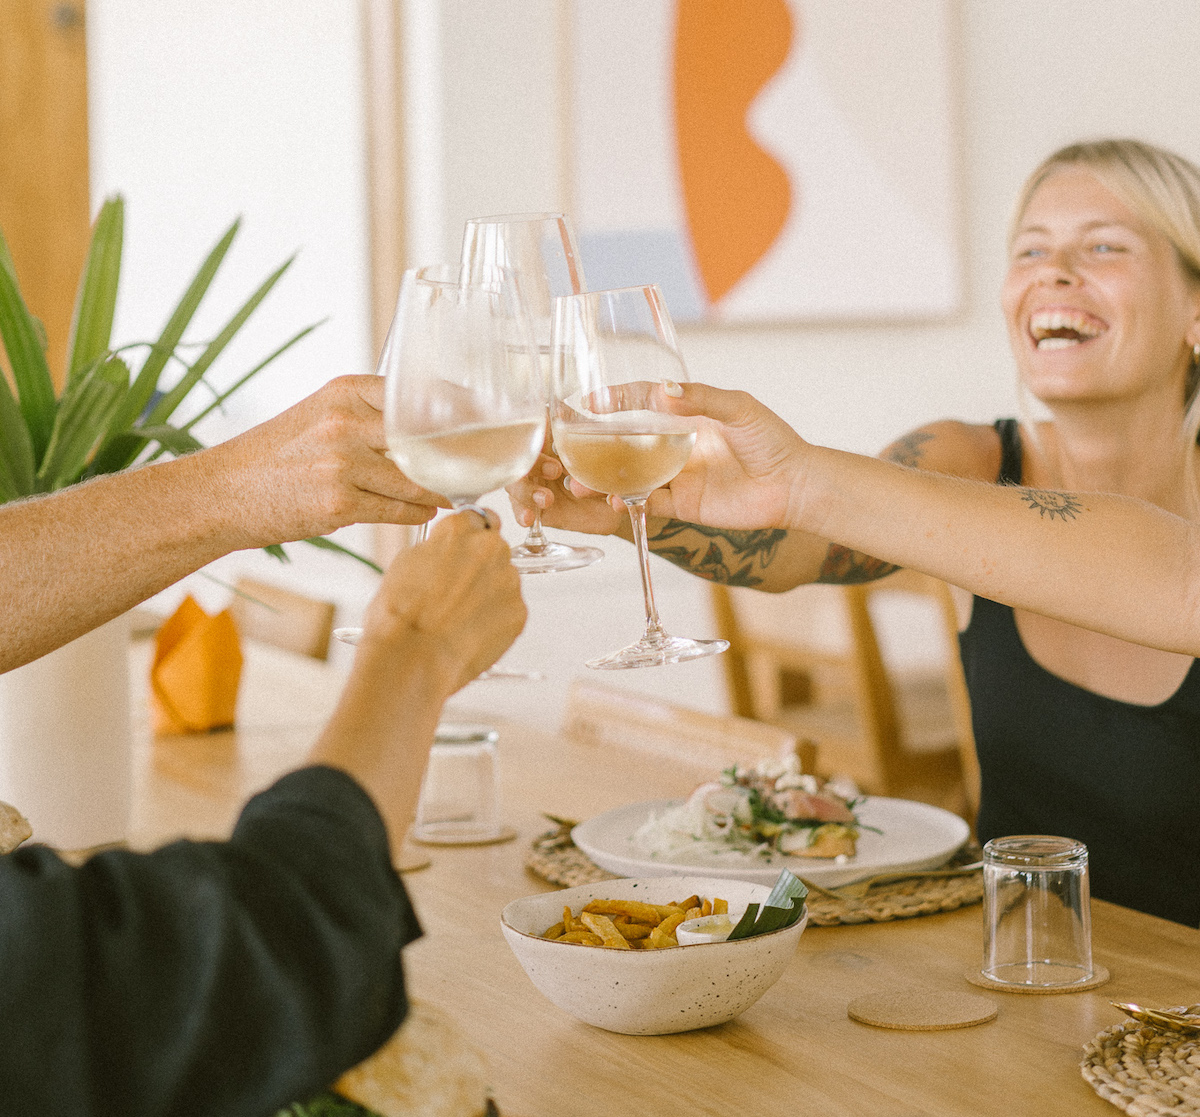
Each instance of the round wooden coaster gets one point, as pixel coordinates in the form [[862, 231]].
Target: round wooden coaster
[[506, 835], [921, 1010], [1145, 1070], [976, 977]]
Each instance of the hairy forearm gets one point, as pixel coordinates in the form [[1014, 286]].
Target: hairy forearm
[[1105, 562], [77, 558]]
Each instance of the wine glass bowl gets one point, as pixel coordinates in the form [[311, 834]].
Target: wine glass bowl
[[540, 249], [464, 396], [464, 393], [613, 351]]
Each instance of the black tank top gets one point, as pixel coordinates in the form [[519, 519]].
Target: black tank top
[[1058, 759]]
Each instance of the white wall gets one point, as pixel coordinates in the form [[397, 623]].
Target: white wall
[[204, 110]]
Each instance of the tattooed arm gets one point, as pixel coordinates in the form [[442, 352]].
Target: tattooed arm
[[1110, 563], [775, 559]]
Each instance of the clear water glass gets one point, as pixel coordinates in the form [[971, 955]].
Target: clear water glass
[[459, 803], [1037, 920]]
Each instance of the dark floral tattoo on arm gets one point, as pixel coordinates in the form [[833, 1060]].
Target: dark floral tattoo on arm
[[846, 567], [1058, 506], [725, 555], [907, 450]]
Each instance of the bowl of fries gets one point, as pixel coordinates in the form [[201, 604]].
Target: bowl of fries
[[630, 975]]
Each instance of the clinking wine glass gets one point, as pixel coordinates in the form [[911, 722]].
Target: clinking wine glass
[[611, 351], [464, 395], [540, 248]]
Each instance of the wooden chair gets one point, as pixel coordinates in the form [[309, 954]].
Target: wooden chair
[[284, 618], [603, 715], [895, 731]]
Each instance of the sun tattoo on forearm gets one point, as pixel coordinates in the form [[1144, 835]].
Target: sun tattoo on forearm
[[730, 557], [1046, 502]]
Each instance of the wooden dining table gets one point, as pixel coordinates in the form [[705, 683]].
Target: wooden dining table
[[795, 1051]]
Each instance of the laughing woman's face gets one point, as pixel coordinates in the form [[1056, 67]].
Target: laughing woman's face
[[1097, 302]]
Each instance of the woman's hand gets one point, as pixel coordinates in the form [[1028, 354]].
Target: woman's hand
[[746, 468], [454, 600], [563, 502]]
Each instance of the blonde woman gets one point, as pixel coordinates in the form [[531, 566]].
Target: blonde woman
[[1079, 732]]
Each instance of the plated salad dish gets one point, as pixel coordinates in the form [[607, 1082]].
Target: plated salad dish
[[766, 810]]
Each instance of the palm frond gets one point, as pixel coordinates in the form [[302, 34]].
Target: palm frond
[[82, 417], [118, 452], [25, 344], [163, 409], [96, 298]]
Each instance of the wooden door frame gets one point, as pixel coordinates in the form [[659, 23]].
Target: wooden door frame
[[44, 190]]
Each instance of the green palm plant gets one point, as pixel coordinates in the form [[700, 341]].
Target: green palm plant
[[107, 417]]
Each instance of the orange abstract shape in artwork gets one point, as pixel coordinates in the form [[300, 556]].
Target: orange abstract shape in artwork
[[736, 196]]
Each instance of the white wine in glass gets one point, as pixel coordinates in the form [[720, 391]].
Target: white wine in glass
[[540, 248], [464, 395], [612, 352]]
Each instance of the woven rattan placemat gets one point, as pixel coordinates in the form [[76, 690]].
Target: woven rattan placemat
[[555, 858], [1144, 1070]]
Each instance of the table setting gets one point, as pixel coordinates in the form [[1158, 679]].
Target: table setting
[[865, 956]]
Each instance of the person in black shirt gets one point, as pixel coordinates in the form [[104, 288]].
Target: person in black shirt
[[236, 977], [1091, 534]]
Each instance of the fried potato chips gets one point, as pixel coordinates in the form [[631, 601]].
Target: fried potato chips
[[630, 924]]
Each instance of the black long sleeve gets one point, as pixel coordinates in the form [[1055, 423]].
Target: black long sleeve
[[206, 977]]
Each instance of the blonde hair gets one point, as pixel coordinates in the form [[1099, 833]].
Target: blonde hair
[[1163, 189]]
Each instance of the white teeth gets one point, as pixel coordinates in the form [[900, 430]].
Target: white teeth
[[1048, 321], [1056, 342]]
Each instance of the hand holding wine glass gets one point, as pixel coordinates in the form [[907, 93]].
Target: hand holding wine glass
[[611, 351], [464, 396], [540, 249]]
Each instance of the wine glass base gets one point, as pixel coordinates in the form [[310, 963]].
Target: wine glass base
[[553, 558], [508, 673], [657, 652]]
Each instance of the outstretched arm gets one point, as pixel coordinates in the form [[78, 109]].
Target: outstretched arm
[[77, 558], [771, 559], [239, 976], [1105, 562]]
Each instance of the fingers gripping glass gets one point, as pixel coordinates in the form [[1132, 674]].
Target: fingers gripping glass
[[540, 248], [612, 350], [464, 394]]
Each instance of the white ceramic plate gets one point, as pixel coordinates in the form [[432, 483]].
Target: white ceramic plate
[[912, 836]]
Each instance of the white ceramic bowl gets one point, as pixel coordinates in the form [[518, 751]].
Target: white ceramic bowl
[[650, 992]]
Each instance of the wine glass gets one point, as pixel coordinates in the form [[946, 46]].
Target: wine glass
[[611, 350], [540, 248], [464, 408]]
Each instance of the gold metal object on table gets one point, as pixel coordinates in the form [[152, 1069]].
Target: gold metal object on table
[[1161, 1018]]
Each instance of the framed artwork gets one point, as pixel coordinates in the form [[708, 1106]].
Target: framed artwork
[[767, 160]]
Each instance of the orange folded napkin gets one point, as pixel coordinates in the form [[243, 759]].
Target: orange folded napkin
[[196, 670]]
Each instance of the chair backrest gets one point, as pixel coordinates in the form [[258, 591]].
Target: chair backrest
[[603, 715], [284, 618], [865, 716]]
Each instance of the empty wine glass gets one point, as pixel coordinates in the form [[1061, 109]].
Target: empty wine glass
[[611, 350], [464, 394], [540, 248]]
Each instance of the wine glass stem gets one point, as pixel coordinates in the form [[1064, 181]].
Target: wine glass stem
[[637, 515], [536, 537]]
